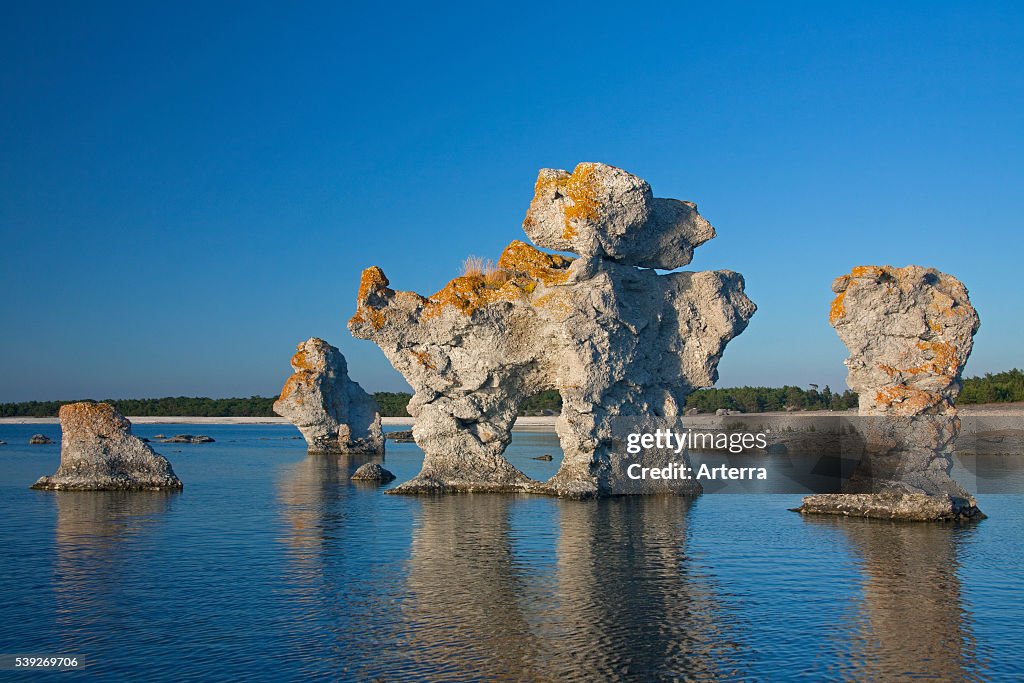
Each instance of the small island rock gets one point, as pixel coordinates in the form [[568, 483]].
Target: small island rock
[[372, 471], [40, 440], [100, 453]]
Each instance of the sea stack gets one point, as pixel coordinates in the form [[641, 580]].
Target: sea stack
[[332, 412], [99, 453], [618, 340], [909, 332]]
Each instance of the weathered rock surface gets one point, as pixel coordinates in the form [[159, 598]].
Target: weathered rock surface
[[372, 471], [894, 505], [40, 440], [100, 453], [614, 339], [909, 332], [332, 412]]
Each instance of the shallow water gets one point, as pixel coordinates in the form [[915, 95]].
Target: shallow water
[[272, 565]]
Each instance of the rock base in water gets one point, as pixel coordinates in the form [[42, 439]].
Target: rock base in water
[[99, 453], [372, 471], [911, 507]]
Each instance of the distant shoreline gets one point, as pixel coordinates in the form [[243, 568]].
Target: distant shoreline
[[525, 423]]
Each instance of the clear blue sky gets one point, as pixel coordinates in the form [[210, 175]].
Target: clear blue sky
[[188, 190]]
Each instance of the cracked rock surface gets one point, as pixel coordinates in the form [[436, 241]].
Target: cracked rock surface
[[332, 412], [615, 338]]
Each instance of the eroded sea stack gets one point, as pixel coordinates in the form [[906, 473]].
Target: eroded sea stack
[[909, 332], [332, 412], [99, 453], [613, 336]]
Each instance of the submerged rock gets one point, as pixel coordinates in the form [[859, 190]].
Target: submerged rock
[[614, 337], [372, 471], [99, 453], [40, 440], [909, 332], [400, 436], [332, 412], [547, 457]]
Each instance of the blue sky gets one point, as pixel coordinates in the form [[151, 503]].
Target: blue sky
[[187, 191]]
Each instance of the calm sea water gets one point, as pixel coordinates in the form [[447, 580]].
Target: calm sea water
[[272, 565]]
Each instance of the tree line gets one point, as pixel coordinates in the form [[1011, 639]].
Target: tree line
[[1000, 387]]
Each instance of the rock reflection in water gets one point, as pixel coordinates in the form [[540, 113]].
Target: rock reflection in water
[[912, 620], [94, 570], [602, 593]]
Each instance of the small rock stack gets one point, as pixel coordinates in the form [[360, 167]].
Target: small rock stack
[[909, 332], [99, 453]]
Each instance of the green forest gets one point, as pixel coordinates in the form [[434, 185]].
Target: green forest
[[1000, 387]]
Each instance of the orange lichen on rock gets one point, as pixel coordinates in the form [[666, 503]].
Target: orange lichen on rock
[[868, 271], [907, 400], [580, 188], [470, 293], [424, 359], [372, 281], [945, 360], [294, 382], [837, 311], [522, 258]]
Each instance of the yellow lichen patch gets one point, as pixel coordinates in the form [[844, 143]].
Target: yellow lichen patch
[[554, 301], [372, 280], [527, 260], [945, 360], [867, 271], [580, 188], [294, 382], [424, 359], [369, 314], [300, 361], [837, 311], [470, 293], [905, 400]]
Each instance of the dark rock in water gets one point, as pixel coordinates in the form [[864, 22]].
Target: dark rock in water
[[188, 438], [371, 471], [546, 457], [40, 440], [400, 436], [143, 439], [913, 507], [99, 453]]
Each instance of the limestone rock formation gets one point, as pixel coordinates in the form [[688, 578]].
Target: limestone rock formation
[[99, 453], [372, 471], [613, 336], [332, 412], [909, 332]]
